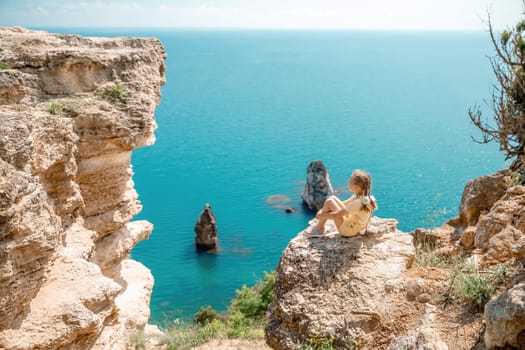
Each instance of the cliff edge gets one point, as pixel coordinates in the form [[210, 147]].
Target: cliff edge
[[72, 109], [460, 286]]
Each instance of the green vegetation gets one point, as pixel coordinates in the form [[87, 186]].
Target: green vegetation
[[185, 337], [508, 95], [138, 341], [54, 108], [425, 249], [426, 256], [433, 213], [112, 94], [472, 286], [3, 65], [476, 288], [318, 341], [245, 318], [205, 315], [518, 177]]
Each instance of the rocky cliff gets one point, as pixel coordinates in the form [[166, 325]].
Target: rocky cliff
[[71, 111], [367, 292]]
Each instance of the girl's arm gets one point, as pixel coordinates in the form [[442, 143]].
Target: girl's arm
[[333, 215], [346, 202], [352, 207]]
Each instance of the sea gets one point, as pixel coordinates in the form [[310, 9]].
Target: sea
[[244, 112]]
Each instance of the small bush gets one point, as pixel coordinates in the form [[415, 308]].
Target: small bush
[[320, 342], [245, 318], [186, 337], [138, 341], [239, 326], [427, 256], [253, 302], [477, 288], [205, 315], [3, 65], [113, 94], [54, 108], [518, 177]]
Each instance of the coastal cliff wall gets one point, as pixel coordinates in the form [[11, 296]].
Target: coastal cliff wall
[[72, 109]]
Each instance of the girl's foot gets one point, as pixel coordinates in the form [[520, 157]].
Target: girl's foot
[[313, 231]]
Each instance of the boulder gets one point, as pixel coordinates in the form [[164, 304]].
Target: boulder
[[318, 186], [500, 232], [505, 319], [342, 286], [480, 194], [206, 230]]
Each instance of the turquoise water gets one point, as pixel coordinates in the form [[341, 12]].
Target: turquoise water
[[243, 113]]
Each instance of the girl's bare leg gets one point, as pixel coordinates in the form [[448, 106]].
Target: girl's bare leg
[[331, 205]]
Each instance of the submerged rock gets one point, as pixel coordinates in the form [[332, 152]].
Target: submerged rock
[[318, 186], [206, 230]]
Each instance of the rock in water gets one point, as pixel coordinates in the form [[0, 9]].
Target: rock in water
[[318, 186], [206, 230]]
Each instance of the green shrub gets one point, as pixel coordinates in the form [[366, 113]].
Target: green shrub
[[205, 315], [54, 108], [477, 288], [138, 341], [186, 337], [518, 177], [3, 65], [245, 318], [318, 341], [426, 256], [253, 302], [112, 94], [239, 326]]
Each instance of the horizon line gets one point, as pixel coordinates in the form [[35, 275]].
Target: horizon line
[[43, 27]]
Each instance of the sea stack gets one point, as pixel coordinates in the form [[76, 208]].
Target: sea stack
[[206, 230], [318, 186]]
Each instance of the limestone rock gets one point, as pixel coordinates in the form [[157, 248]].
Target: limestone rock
[[480, 194], [468, 236], [206, 229], [505, 319], [342, 286], [500, 231], [318, 186], [66, 189], [115, 247], [415, 288]]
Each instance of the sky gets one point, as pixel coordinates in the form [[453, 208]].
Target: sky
[[268, 14]]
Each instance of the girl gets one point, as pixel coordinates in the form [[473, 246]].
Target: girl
[[352, 215]]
